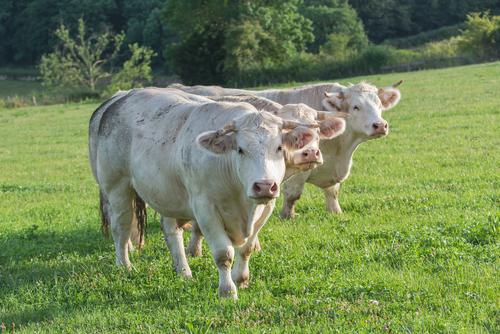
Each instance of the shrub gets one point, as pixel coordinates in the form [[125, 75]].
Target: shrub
[[425, 37], [309, 67], [80, 67], [448, 48], [481, 38], [337, 46], [135, 72], [79, 62]]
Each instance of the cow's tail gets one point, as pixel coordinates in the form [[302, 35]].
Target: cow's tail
[[141, 218], [104, 210]]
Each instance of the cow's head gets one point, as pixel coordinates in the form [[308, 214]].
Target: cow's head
[[256, 143], [363, 103], [329, 126]]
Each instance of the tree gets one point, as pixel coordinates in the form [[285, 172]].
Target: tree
[[334, 17], [385, 19], [217, 39], [135, 71], [83, 62], [481, 37], [79, 62]]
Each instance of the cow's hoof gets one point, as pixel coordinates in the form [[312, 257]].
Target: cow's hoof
[[243, 283], [185, 273], [257, 247], [228, 292], [335, 210], [287, 214], [194, 251]]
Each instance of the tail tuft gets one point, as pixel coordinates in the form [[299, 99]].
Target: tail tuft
[[104, 210], [141, 217]]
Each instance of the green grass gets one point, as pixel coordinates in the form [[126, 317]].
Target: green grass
[[416, 250]]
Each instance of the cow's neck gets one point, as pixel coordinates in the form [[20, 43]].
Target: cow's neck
[[344, 147]]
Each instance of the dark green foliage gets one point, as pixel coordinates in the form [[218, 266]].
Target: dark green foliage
[[219, 39], [30, 24], [427, 36], [308, 67], [385, 19], [199, 58], [481, 38], [333, 17]]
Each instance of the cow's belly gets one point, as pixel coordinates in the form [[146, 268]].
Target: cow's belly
[[162, 190], [169, 202]]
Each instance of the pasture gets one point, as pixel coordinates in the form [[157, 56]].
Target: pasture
[[415, 251]]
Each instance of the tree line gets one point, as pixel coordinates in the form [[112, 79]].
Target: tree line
[[220, 41]]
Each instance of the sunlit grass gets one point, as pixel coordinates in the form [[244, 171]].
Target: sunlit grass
[[416, 249]]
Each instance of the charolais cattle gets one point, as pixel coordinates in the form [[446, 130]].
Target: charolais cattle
[[330, 126], [218, 163], [363, 103]]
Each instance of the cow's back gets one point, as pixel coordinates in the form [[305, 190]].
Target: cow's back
[[311, 95]]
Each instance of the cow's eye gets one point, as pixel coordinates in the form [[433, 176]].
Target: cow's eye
[[355, 108], [280, 148], [240, 151]]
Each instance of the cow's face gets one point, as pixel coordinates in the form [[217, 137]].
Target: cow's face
[[363, 104], [328, 126], [255, 143]]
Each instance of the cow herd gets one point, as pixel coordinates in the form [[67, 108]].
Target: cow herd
[[217, 158]]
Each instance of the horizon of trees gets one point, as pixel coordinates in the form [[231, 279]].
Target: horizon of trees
[[27, 27]]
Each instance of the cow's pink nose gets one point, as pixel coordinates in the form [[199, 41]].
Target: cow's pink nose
[[380, 127], [311, 155], [265, 188]]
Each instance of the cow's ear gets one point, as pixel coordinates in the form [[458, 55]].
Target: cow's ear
[[390, 96], [298, 137], [217, 143], [333, 101], [331, 127]]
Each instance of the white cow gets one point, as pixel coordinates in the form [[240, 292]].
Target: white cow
[[330, 126], [218, 163], [363, 103]]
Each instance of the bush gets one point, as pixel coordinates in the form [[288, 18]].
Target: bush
[[79, 62], [80, 67], [337, 46], [448, 48], [425, 37], [135, 72], [481, 38], [309, 67]]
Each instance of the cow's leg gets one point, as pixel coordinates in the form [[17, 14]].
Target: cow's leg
[[241, 272], [210, 224], [195, 240], [292, 189], [173, 231], [256, 245], [332, 198], [121, 214]]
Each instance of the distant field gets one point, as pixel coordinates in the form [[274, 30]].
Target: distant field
[[416, 251], [11, 88]]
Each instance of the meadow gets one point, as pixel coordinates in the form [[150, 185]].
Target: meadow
[[415, 251]]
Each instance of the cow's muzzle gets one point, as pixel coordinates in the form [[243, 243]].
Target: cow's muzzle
[[380, 129], [265, 189]]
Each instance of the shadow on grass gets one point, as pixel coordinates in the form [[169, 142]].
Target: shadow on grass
[[54, 261]]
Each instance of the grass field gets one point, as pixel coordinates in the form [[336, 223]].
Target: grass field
[[416, 250]]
